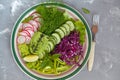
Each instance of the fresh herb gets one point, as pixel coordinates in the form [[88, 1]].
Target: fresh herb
[[52, 17], [27, 19], [86, 11]]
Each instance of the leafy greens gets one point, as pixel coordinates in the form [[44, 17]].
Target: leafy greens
[[52, 19]]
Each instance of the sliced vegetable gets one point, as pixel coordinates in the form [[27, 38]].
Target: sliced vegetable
[[38, 19], [70, 23], [30, 58], [21, 39], [34, 41], [31, 33], [69, 48], [53, 40], [64, 30], [67, 28], [25, 33], [25, 25], [42, 47], [34, 24], [27, 39], [28, 28], [55, 35], [51, 45], [61, 33], [41, 54], [63, 68], [26, 20]]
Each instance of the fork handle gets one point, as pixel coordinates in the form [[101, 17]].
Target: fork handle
[[91, 57]]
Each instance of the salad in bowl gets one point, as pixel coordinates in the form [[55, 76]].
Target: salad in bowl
[[51, 41]]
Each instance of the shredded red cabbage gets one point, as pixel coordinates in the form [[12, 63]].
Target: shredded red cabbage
[[69, 48]]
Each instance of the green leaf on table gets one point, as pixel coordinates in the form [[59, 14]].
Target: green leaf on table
[[86, 11]]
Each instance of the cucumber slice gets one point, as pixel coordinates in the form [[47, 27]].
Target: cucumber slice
[[48, 49], [55, 35], [53, 40], [61, 33], [41, 55], [70, 23], [64, 30], [51, 45], [67, 28]]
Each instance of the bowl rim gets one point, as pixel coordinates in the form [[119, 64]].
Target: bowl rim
[[12, 40]]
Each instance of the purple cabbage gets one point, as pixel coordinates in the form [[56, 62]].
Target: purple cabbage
[[69, 48]]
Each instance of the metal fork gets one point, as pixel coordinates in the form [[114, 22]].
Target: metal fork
[[94, 30]]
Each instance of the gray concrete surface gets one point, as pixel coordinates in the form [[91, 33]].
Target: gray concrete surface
[[107, 54]]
